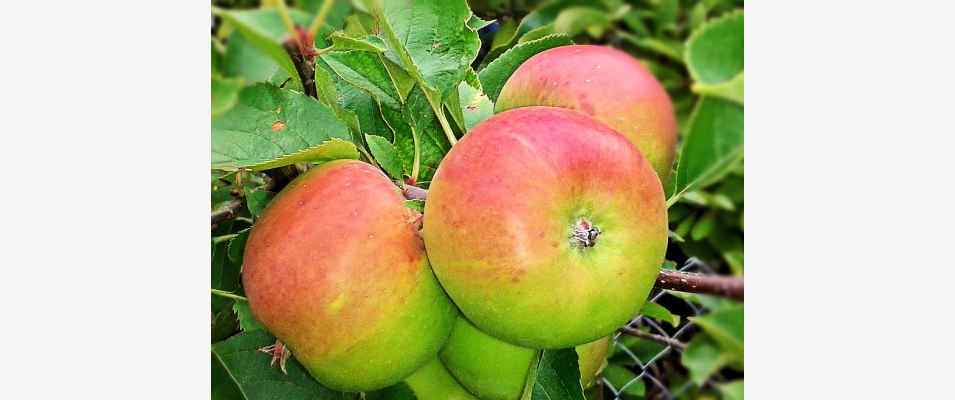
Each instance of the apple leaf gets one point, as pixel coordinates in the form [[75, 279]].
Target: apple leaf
[[725, 326], [247, 321], [656, 311], [624, 380], [225, 93], [498, 71], [271, 127], [385, 155], [475, 106], [574, 20], [244, 60], [731, 390], [712, 145], [236, 246], [264, 29], [419, 142], [238, 361], [365, 70], [714, 52], [556, 376], [256, 201], [431, 38], [703, 358]]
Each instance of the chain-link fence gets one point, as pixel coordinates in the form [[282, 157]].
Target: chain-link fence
[[672, 339]]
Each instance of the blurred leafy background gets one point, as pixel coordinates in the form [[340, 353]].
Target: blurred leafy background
[[375, 104]]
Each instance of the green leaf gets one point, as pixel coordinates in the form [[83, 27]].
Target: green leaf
[[730, 90], [225, 93], [476, 23], [498, 71], [256, 201], [537, 33], [656, 311], [704, 226], [558, 376], [713, 144], [365, 70], [575, 20], [475, 105], [239, 362], [243, 60], [668, 48], [385, 155], [714, 52], [731, 390], [702, 358], [271, 127], [247, 321], [264, 29], [419, 141], [336, 15], [725, 326], [624, 380], [236, 247], [431, 38], [341, 42], [225, 274]]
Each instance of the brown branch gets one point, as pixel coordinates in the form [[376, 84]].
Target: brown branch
[[654, 337], [227, 211], [724, 286], [301, 49]]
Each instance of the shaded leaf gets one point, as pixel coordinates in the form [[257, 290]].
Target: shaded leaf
[[256, 201], [725, 326], [575, 20], [247, 321], [244, 60], [366, 71], [703, 358], [385, 155], [558, 376], [264, 29], [658, 312], [731, 390], [238, 361], [475, 105], [271, 127], [624, 380], [497, 72], [225, 93], [730, 90]]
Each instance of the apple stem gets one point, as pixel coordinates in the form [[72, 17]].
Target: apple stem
[[584, 233]]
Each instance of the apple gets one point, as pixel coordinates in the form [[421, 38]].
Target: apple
[[335, 269], [493, 369], [545, 227], [434, 382], [606, 84]]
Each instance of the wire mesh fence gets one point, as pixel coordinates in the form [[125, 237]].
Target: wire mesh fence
[[645, 366]]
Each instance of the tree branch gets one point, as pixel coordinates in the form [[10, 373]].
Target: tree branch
[[654, 337], [227, 211], [724, 286]]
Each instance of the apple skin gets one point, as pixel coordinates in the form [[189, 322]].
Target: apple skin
[[493, 369], [335, 269], [606, 84], [499, 217]]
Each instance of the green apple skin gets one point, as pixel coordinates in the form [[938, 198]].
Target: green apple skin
[[433, 382], [335, 269], [493, 369], [606, 84], [503, 218]]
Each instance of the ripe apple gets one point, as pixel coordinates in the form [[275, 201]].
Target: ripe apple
[[546, 227], [606, 84], [336, 270], [493, 369]]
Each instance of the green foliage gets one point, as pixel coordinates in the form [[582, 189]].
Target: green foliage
[[554, 377], [244, 372], [271, 127]]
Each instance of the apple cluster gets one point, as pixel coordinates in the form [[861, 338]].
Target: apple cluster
[[544, 228]]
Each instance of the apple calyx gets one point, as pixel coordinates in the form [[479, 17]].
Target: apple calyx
[[583, 233]]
